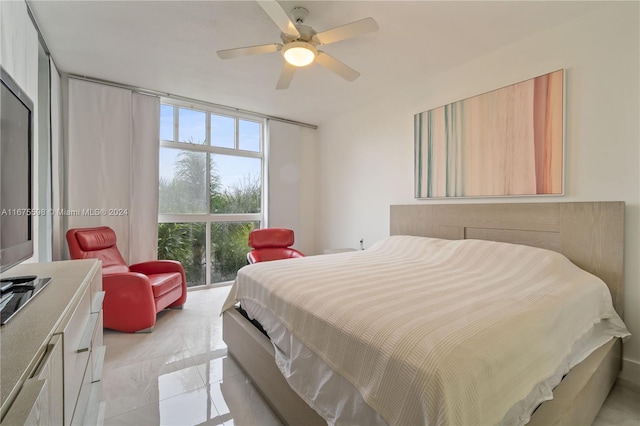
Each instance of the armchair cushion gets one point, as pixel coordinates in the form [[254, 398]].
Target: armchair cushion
[[154, 267], [164, 283]]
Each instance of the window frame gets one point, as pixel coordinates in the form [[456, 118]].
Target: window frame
[[209, 217]]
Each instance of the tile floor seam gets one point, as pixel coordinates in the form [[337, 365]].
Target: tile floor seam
[[165, 399]]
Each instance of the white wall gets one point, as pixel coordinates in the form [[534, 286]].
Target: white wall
[[366, 156]]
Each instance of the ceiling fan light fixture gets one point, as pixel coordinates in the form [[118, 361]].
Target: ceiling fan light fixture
[[299, 53]]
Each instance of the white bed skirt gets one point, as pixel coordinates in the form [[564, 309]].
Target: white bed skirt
[[339, 402]]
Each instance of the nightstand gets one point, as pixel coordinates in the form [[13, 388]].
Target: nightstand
[[338, 250]]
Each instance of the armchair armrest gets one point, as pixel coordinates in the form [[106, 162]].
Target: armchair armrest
[[157, 267], [128, 302], [268, 254]]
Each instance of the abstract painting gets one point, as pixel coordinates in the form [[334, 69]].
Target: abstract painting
[[505, 142]]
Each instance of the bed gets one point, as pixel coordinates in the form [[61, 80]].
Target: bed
[[589, 234]]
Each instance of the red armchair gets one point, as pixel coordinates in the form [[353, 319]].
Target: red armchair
[[271, 244], [133, 294]]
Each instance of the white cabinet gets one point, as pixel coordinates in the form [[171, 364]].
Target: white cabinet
[[52, 350]]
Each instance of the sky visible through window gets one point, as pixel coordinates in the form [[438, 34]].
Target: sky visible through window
[[192, 129]]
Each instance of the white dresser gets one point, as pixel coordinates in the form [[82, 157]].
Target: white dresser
[[52, 350]]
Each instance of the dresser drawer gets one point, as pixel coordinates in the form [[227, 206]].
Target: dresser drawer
[[90, 395], [94, 406], [76, 352]]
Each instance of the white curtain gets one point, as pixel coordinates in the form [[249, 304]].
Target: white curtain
[[291, 175], [112, 165], [284, 176], [143, 210]]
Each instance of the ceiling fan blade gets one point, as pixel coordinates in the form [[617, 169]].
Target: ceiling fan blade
[[285, 76], [250, 50], [343, 32], [279, 16], [332, 64]]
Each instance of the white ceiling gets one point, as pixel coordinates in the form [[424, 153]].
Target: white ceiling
[[169, 46]]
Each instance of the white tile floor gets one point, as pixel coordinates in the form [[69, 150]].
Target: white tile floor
[[622, 407], [180, 375]]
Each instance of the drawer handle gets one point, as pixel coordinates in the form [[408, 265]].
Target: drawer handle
[[87, 336], [97, 302], [98, 362], [46, 357]]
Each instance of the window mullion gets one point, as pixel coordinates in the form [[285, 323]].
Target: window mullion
[[239, 217], [207, 250], [183, 217], [207, 237], [207, 132], [176, 124], [236, 142]]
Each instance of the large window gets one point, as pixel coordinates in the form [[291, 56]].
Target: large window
[[211, 189]]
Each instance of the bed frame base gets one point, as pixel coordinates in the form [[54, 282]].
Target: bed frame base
[[577, 399], [254, 352]]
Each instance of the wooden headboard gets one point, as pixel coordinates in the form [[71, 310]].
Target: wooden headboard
[[590, 234]]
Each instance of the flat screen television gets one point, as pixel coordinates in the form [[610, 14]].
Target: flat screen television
[[16, 141]]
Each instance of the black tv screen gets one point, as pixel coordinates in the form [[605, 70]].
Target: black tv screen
[[16, 138]]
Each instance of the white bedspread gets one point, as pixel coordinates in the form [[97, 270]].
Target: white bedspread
[[436, 331]]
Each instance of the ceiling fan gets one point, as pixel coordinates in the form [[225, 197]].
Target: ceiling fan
[[300, 42]]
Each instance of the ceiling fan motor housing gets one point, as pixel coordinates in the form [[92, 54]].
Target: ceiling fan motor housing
[[306, 34]]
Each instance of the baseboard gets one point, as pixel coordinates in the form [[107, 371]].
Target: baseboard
[[630, 371]]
